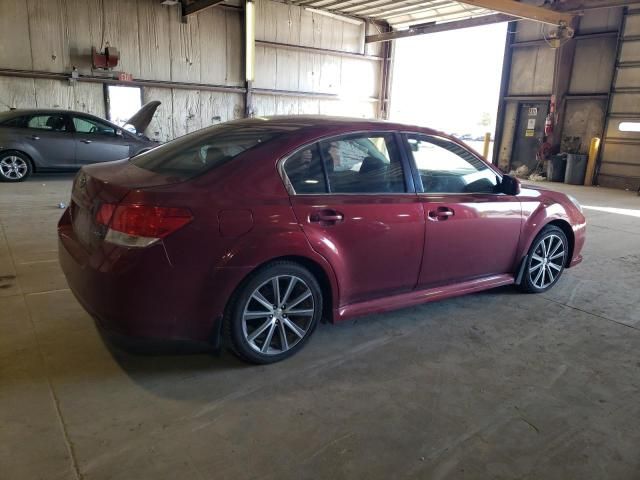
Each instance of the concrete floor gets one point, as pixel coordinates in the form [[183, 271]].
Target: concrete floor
[[494, 385]]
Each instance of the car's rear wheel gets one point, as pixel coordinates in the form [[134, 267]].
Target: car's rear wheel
[[546, 260], [14, 166], [274, 313]]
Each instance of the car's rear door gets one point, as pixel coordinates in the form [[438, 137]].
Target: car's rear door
[[49, 140], [355, 200], [98, 141], [472, 230]]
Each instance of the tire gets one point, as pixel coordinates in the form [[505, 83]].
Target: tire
[[259, 333], [546, 260], [14, 166]]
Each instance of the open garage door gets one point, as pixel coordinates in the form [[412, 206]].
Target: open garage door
[[620, 160]]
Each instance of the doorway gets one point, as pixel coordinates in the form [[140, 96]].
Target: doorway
[[122, 103], [450, 81]]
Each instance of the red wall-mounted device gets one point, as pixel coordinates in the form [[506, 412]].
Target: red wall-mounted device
[[107, 60]]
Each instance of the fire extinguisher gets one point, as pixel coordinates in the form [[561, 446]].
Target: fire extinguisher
[[548, 125]]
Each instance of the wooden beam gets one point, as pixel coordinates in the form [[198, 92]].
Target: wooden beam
[[439, 27], [523, 10], [198, 6]]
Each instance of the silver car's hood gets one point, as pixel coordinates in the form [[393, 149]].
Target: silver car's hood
[[142, 118]]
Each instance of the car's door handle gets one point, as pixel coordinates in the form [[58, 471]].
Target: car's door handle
[[86, 141], [326, 217], [35, 137], [441, 213]]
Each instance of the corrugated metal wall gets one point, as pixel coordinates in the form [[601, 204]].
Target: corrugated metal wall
[[55, 35], [531, 78], [355, 80], [620, 159]]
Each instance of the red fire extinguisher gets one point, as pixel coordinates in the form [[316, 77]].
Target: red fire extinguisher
[[548, 125]]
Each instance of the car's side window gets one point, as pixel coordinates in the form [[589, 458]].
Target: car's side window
[[446, 167], [304, 171], [53, 122], [363, 163], [89, 125]]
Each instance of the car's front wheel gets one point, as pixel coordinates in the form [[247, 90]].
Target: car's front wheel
[[546, 260], [274, 313], [14, 166]]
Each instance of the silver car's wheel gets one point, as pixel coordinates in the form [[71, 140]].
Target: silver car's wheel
[[14, 167], [547, 261], [278, 314]]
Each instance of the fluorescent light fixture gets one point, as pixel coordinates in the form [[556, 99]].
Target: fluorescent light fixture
[[250, 40], [351, 20], [629, 127]]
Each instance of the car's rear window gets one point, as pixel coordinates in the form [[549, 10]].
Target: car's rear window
[[13, 122], [200, 151]]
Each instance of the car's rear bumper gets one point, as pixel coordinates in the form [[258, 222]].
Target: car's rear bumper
[[141, 294]]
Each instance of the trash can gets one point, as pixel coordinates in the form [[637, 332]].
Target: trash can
[[576, 169], [556, 167]]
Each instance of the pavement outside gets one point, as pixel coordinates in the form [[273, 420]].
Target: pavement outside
[[497, 385]]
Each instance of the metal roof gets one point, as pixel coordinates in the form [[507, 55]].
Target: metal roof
[[399, 14]]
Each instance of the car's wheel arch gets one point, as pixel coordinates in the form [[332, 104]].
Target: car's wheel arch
[[562, 223], [321, 271]]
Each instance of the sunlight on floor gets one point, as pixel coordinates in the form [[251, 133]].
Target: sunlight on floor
[[620, 211]]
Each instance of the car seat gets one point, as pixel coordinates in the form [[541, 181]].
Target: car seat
[[373, 175], [56, 123]]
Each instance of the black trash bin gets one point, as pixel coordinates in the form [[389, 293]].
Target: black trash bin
[[556, 167], [576, 169]]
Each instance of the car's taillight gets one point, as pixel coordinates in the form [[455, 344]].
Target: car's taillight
[[140, 225]]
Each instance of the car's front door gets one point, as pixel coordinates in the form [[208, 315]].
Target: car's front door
[[51, 140], [98, 141], [472, 230], [357, 206]]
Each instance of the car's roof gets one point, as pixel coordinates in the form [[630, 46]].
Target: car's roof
[[294, 122], [305, 121], [31, 111]]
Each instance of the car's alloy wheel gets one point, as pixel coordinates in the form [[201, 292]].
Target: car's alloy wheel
[[547, 259], [14, 167], [278, 314], [275, 313]]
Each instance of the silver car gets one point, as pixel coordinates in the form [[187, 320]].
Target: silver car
[[56, 140]]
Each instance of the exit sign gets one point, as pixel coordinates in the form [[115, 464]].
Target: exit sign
[[125, 77]]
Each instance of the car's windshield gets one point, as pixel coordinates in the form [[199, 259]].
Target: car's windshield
[[205, 149]]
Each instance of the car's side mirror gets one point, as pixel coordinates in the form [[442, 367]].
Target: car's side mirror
[[118, 133], [510, 185]]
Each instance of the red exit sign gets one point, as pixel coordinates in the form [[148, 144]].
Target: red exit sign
[[125, 77]]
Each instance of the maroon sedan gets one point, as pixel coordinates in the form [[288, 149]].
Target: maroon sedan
[[250, 232]]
